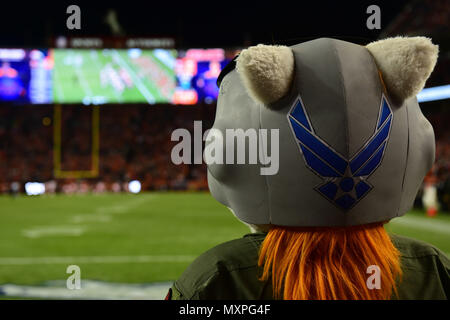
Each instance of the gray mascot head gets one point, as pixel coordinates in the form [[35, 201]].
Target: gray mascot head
[[353, 143]]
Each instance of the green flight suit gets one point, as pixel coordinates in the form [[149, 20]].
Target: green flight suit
[[230, 271]]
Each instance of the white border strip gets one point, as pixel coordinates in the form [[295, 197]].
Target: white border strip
[[94, 259]]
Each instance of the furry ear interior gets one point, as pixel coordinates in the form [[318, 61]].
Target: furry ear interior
[[405, 63], [266, 71]]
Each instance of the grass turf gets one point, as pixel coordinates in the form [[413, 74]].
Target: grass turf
[[149, 224]]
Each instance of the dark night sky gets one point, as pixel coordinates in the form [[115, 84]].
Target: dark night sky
[[195, 24]]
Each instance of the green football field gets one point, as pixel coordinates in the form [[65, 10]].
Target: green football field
[[124, 238], [113, 76]]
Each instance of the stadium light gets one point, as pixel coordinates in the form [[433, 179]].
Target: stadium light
[[434, 93], [134, 186], [34, 188]]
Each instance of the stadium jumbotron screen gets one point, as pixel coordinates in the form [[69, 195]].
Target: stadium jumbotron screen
[[113, 76]]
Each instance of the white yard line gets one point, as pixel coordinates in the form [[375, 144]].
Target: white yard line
[[147, 95], [101, 214], [123, 207], [95, 259], [45, 231], [81, 218], [424, 223]]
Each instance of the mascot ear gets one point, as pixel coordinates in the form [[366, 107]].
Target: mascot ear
[[266, 71], [405, 64]]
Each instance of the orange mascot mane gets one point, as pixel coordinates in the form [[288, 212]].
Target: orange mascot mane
[[329, 263]]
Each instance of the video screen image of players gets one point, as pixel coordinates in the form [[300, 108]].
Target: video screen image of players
[[113, 76]]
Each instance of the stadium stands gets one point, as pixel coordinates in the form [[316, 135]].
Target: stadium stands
[[135, 144]]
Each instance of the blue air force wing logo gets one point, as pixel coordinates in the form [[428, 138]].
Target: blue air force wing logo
[[345, 180]]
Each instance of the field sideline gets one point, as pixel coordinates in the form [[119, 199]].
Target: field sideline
[[124, 238]]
